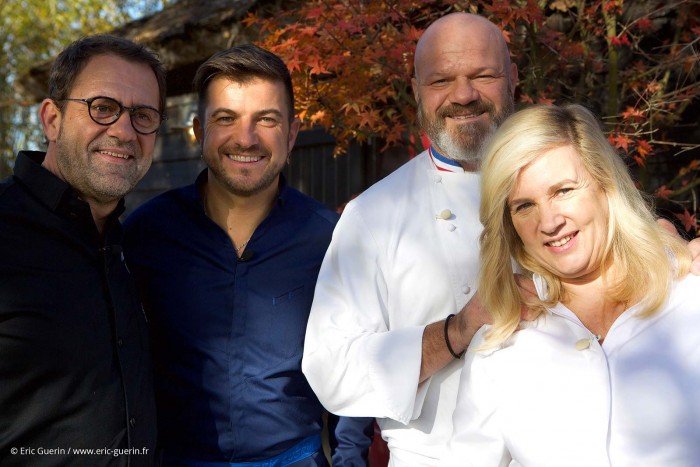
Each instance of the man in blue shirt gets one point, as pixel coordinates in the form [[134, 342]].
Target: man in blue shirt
[[227, 268]]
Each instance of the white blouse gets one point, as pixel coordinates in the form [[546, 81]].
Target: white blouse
[[552, 396]]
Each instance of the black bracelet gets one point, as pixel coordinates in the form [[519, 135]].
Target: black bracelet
[[447, 339]]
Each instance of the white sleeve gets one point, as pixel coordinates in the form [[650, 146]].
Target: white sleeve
[[355, 360], [477, 440]]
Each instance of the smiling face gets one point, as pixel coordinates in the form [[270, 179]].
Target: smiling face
[[561, 215], [463, 85], [246, 136], [102, 163]]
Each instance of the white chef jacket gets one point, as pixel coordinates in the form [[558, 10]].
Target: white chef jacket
[[632, 401], [393, 266]]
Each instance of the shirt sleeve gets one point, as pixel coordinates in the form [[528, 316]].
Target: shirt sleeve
[[358, 362], [476, 439], [350, 439]]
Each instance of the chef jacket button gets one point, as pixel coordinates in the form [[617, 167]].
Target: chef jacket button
[[444, 214], [451, 227], [583, 344], [437, 178], [132, 422], [466, 289]]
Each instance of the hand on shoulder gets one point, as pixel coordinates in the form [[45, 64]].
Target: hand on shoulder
[[693, 245]]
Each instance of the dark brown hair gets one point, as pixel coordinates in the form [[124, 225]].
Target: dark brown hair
[[241, 64], [71, 61]]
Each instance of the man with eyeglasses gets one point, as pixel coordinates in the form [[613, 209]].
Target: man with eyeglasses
[[76, 379]]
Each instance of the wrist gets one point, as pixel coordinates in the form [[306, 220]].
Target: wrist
[[454, 346]]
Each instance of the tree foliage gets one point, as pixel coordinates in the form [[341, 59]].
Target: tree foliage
[[32, 31], [634, 63]]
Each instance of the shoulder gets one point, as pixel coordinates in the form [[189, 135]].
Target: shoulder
[[686, 289], [532, 336], [5, 184], [11, 200], [396, 192], [403, 177], [316, 211], [161, 208]]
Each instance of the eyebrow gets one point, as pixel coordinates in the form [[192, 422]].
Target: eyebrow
[[259, 113], [550, 190], [273, 111]]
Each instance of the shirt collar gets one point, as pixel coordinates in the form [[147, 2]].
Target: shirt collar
[[50, 190], [541, 287], [442, 163], [44, 185]]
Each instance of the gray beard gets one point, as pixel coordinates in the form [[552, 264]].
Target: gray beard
[[470, 140], [470, 149]]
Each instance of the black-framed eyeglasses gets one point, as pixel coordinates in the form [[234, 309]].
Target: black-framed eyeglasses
[[105, 111]]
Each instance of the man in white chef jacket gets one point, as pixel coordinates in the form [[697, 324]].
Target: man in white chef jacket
[[405, 254]]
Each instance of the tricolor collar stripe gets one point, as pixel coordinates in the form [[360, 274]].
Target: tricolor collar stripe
[[442, 163]]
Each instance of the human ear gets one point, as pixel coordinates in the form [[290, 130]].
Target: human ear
[[50, 116]]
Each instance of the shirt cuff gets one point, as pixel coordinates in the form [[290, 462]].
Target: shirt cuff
[[395, 360]]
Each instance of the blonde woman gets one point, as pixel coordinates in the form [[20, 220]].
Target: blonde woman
[[608, 373]]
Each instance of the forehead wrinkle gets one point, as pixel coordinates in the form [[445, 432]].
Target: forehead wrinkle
[[275, 100], [123, 80]]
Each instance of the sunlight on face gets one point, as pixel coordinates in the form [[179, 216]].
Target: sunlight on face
[[560, 214], [105, 162], [463, 85], [247, 135]]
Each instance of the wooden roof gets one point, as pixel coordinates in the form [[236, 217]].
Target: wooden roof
[[183, 35]]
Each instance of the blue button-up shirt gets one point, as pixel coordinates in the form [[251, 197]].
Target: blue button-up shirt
[[228, 333]]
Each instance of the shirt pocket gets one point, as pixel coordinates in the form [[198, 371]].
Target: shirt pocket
[[275, 332]]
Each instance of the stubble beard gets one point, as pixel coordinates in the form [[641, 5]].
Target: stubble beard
[[235, 184], [93, 178]]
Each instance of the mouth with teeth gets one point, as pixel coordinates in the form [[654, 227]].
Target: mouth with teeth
[[562, 241], [116, 154], [464, 112], [464, 116], [241, 158]]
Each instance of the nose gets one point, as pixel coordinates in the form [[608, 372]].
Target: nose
[[122, 128], [551, 219], [464, 92], [245, 134]]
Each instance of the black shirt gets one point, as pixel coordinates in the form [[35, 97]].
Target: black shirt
[[75, 369]]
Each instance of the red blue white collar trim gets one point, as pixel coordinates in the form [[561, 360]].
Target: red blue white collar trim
[[442, 163]]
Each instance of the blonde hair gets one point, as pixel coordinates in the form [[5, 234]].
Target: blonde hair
[[635, 243]]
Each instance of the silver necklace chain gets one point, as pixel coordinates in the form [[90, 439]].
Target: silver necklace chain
[[205, 205]]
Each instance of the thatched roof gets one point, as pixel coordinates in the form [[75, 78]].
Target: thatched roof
[[183, 34]]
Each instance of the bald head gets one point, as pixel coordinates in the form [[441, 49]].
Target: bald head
[[463, 85], [459, 32]]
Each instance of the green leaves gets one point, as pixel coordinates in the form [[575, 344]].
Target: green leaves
[[33, 31]]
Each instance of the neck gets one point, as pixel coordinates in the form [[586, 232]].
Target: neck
[[100, 210], [100, 213], [470, 166], [589, 301], [237, 215]]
